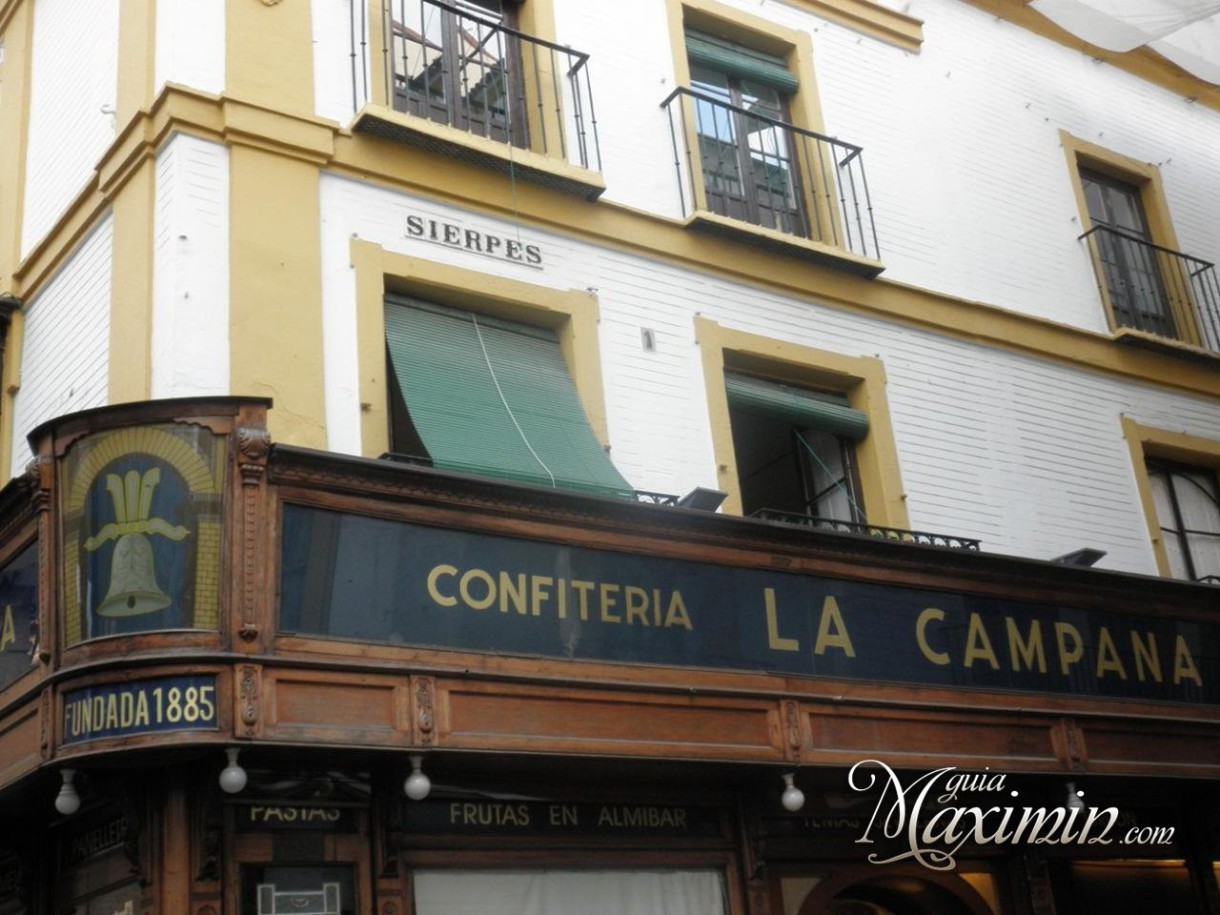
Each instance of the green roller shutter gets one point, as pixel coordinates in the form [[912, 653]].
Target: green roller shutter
[[739, 61], [464, 410], [803, 408]]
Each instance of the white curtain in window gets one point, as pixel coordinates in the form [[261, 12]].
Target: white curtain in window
[[565, 892]]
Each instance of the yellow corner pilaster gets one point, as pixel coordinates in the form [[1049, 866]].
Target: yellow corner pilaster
[[14, 115], [275, 295], [131, 282], [269, 53], [137, 51], [17, 33], [8, 388]]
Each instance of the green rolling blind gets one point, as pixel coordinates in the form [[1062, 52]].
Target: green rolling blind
[[740, 61], [467, 423], [806, 409]]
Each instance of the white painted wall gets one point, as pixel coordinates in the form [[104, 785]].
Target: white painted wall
[[190, 322], [341, 84], [1023, 453], [969, 183], [73, 85], [191, 44], [970, 187], [64, 347]]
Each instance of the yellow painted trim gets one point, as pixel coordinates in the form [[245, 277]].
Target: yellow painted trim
[[1142, 62], [870, 19], [799, 246], [137, 51], [131, 286], [1148, 441], [269, 53], [508, 155], [619, 227], [1147, 178], [10, 382], [9, 9], [861, 378], [275, 291], [18, 31], [573, 314]]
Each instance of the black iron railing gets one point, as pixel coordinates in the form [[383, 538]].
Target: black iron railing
[[866, 530], [1209, 580], [668, 500], [1156, 290], [455, 67], [767, 172]]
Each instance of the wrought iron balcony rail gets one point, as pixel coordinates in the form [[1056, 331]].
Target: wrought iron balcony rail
[[745, 165], [866, 530], [1156, 290], [448, 65]]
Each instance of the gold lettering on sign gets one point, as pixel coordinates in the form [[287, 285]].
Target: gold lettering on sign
[[921, 636], [774, 640], [832, 631], [1184, 664], [8, 635], [521, 594]]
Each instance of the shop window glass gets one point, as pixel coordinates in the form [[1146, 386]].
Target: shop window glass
[[561, 892], [19, 637]]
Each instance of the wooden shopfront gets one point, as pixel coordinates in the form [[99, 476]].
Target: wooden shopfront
[[603, 696]]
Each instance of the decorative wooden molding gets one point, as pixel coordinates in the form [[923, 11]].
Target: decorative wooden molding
[[44, 725], [1069, 744], [424, 689], [248, 700], [791, 716], [253, 446]]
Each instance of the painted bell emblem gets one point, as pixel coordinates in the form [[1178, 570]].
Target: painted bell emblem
[[133, 577]]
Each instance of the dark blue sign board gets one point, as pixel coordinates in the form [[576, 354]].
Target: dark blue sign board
[[353, 577], [19, 639], [141, 707]]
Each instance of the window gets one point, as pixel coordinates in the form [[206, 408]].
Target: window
[[554, 891], [480, 394], [800, 430], [1187, 500], [1129, 260], [460, 65], [1150, 290], [795, 449], [750, 157], [1177, 477], [745, 143]]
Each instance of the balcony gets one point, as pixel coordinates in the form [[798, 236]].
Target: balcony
[[770, 183], [902, 535], [1156, 297], [472, 88]]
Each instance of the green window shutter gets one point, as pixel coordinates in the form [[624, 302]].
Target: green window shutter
[[740, 61], [461, 415], [803, 408]]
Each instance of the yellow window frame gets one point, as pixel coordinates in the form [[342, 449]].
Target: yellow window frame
[[860, 378]]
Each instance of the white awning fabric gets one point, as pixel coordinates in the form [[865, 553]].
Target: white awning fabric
[[1185, 31]]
